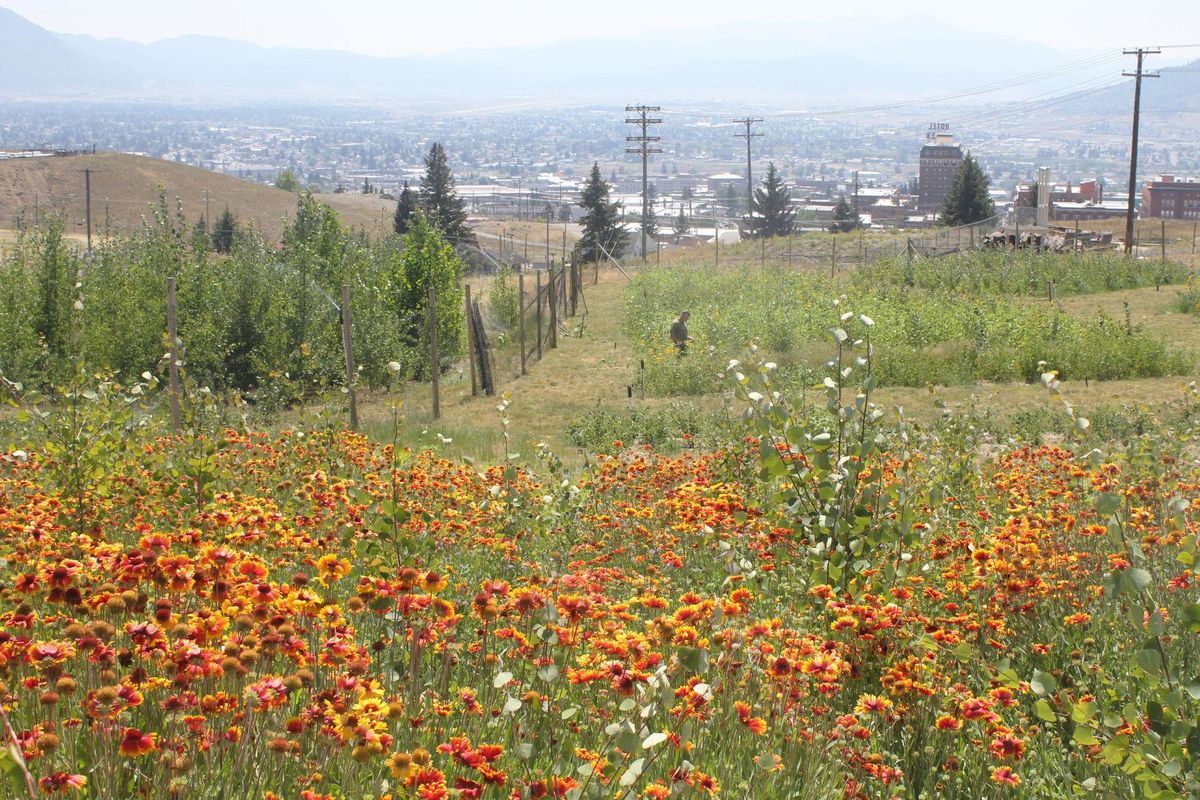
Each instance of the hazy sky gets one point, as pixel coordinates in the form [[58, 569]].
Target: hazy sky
[[400, 27]]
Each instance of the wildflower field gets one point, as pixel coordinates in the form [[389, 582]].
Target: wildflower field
[[837, 606]]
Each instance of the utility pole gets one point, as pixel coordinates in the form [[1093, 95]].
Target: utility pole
[[644, 121], [207, 217], [1137, 75], [87, 191], [856, 194], [748, 136]]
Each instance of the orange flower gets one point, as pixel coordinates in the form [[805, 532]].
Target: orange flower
[[1005, 776], [61, 783], [134, 743]]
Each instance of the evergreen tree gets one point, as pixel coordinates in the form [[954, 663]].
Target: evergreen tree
[[967, 200], [1029, 200], [201, 241], [844, 218], [771, 212], [681, 225], [406, 206], [224, 231], [602, 226], [443, 207], [649, 218]]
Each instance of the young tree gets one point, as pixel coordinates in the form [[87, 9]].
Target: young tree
[[406, 206], [681, 225], [443, 207], [429, 260], [224, 232], [967, 200], [844, 218], [287, 181], [602, 228], [771, 212]]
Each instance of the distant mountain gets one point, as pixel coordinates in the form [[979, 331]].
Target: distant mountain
[[1177, 90], [826, 62]]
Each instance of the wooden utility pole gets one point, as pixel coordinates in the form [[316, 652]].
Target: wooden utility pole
[[173, 354], [644, 121], [348, 353], [1137, 75], [748, 136], [434, 360], [87, 194]]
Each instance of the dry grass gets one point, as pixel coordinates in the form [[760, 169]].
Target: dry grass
[[125, 187]]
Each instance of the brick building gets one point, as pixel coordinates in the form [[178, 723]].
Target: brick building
[[940, 161], [1171, 198]]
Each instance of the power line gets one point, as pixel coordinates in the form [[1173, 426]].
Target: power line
[[644, 121], [1033, 77], [1137, 75]]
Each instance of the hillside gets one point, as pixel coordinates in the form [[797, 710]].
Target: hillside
[[125, 186]]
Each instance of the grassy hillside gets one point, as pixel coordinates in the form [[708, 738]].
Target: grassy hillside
[[124, 186]]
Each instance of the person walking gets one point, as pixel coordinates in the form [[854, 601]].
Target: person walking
[[679, 333]]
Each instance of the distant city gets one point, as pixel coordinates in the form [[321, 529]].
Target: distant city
[[894, 169]]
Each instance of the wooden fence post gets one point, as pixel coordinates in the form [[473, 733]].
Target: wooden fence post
[[537, 298], [521, 317], [552, 296], [348, 353], [173, 354], [472, 345], [434, 361]]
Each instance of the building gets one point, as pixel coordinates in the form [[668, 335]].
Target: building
[[1171, 198], [940, 160]]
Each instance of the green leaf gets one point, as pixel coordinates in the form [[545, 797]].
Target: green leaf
[[12, 764], [1084, 736], [1191, 616], [1107, 503], [1140, 577], [1044, 712], [694, 659], [1149, 661], [1042, 683], [548, 673]]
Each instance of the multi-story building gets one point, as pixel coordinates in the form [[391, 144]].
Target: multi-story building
[[940, 160], [1171, 198]]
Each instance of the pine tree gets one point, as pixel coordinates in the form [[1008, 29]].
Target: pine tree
[[224, 232], [602, 228], [771, 212], [406, 206], [967, 201], [441, 204], [681, 225], [844, 218], [649, 218]]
